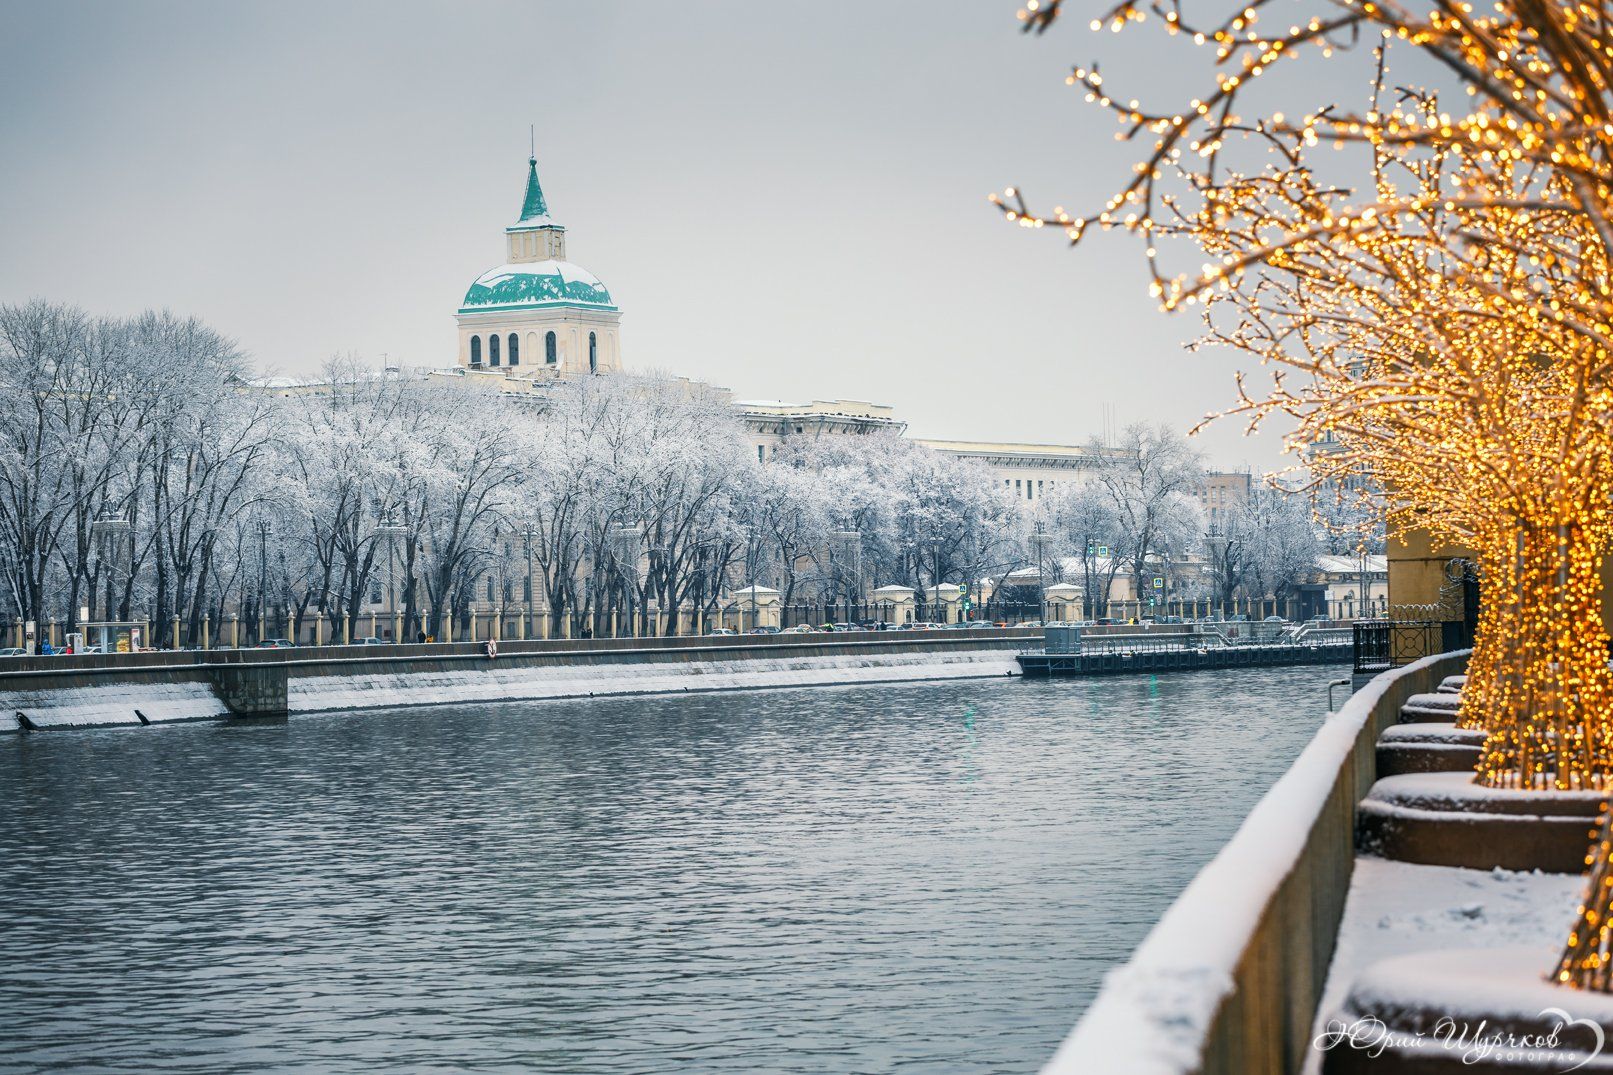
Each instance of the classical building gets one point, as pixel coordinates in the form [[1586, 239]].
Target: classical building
[[538, 317], [1030, 470], [538, 314]]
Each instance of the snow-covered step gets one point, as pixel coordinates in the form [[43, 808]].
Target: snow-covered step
[[1420, 708], [1431, 747], [1445, 819], [1451, 685]]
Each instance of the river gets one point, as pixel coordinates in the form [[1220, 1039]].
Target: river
[[926, 877]]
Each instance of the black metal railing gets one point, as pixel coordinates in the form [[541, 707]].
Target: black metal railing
[[1384, 644]]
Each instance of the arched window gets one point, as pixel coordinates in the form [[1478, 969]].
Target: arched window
[[593, 354], [492, 349], [515, 350], [475, 350], [550, 355]]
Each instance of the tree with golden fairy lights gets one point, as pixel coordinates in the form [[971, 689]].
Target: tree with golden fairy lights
[[1444, 324]]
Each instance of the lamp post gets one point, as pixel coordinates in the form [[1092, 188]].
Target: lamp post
[[1040, 537], [528, 541], [265, 528], [624, 548], [391, 531], [852, 540]]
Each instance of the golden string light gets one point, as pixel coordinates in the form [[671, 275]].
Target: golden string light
[[1442, 322]]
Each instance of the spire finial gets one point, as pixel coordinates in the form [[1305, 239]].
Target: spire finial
[[532, 142]]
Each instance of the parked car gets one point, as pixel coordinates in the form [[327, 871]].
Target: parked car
[[800, 629], [370, 641], [983, 625], [763, 631], [722, 631], [13, 651], [277, 643], [1275, 619], [844, 627]]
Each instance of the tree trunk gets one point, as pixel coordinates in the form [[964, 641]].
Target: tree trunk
[[1539, 679]]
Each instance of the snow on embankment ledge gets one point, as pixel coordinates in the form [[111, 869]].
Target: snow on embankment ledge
[[511, 681], [1154, 1012]]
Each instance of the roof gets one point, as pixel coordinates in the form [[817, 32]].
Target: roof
[[536, 283], [534, 209]]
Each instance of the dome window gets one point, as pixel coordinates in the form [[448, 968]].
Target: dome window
[[593, 354], [550, 354], [515, 350], [492, 349], [475, 350]]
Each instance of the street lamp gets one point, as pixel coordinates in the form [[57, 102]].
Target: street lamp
[[391, 532], [265, 529], [852, 539], [624, 549], [1039, 536], [528, 543]]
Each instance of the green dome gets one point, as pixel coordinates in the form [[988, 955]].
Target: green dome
[[538, 283]]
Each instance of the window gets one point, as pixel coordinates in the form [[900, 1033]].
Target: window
[[526, 589], [593, 354], [759, 451], [549, 354], [490, 589], [475, 350], [515, 350], [492, 350], [375, 592]]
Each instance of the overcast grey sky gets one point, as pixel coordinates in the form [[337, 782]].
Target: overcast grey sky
[[785, 199]]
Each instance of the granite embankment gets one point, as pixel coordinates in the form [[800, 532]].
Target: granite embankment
[[38, 694]]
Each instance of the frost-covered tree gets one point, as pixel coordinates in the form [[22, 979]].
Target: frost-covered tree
[[1265, 546], [1149, 475]]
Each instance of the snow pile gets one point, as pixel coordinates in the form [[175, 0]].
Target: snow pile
[[1413, 792], [109, 704], [1153, 1013], [496, 681], [1396, 909]]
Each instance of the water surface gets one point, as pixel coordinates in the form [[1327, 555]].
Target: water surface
[[923, 878]]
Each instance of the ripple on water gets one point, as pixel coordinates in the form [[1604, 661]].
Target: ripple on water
[[924, 877]]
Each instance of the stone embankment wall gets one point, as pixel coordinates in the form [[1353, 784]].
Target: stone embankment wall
[[146, 688], [1228, 980]]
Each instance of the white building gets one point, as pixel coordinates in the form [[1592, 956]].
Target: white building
[[538, 314]]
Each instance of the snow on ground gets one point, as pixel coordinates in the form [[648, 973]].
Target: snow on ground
[[1398, 909], [509, 682]]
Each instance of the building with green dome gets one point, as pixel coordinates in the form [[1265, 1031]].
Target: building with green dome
[[538, 315]]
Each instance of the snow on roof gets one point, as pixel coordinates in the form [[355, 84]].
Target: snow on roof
[[533, 283]]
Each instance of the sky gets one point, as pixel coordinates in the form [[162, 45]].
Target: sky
[[788, 200]]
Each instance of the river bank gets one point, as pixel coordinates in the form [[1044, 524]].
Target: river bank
[[134, 690]]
